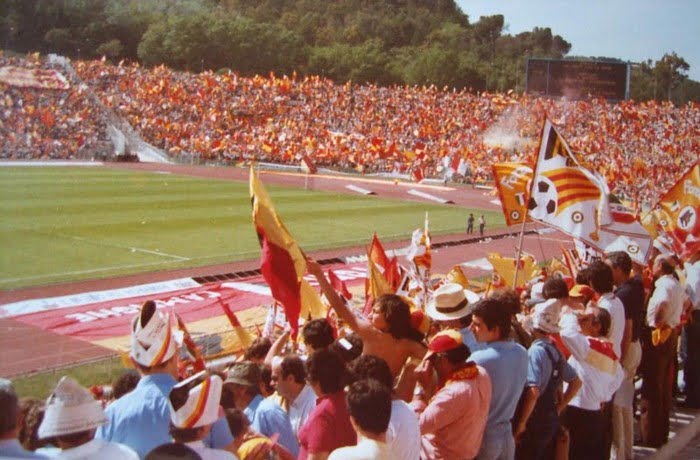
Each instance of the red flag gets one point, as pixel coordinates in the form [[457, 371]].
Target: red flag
[[192, 347], [243, 336], [339, 285], [392, 274], [377, 254], [418, 174]]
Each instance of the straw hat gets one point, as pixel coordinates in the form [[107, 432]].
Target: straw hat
[[152, 340], [70, 409], [451, 301], [194, 402]]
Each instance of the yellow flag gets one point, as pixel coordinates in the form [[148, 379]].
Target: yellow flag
[[680, 212], [504, 268], [456, 275]]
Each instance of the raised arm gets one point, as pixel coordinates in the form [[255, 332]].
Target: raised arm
[[358, 325]]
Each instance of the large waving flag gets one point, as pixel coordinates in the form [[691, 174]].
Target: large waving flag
[[282, 262], [512, 180], [567, 196], [679, 212]]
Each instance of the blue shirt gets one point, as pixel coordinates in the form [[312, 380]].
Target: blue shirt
[[141, 419], [539, 369], [267, 418], [11, 448], [506, 363]]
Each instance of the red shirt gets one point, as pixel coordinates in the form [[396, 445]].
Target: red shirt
[[327, 428]]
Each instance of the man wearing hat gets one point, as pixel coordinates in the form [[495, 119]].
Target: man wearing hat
[[452, 416], [71, 417], [242, 386], [537, 422], [141, 419], [451, 306], [10, 423], [194, 407]]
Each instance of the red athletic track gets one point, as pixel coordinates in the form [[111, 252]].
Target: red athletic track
[[25, 349]]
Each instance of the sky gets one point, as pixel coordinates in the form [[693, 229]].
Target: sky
[[632, 30]]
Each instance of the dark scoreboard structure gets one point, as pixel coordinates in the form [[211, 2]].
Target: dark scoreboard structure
[[574, 79]]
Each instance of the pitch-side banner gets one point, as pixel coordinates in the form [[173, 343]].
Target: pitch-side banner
[[201, 305], [33, 78]]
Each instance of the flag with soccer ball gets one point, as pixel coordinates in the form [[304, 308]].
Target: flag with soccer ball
[[512, 181], [571, 198], [679, 212]]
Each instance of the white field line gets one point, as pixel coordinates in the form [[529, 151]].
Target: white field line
[[117, 246], [81, 272]]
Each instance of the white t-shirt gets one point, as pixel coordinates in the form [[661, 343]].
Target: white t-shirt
[[666, 289], [366, 449], [403, 435], [692, 283], [614, 306]]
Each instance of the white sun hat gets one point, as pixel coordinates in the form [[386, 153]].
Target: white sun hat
[[194, 402], [70, 409], [545, 316], [152, 340], [451, 301]]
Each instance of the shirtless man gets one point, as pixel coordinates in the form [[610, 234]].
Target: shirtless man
[[387, 333]]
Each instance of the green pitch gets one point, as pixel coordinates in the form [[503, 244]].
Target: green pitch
[[62, 224]]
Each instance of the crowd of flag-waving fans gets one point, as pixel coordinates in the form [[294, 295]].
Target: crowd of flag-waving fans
[[544, 371], [640, 148]]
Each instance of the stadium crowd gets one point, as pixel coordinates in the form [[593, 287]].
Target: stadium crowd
[[38, 123], [641, 148], [545, 371]]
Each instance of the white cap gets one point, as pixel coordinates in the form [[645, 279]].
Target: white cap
[[152, 340], [194, 402], [70, 409], [545, 316]]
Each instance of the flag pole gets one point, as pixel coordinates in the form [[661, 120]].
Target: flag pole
[[527, 202]]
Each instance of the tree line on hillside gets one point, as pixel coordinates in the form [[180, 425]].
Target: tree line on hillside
[[384, 42]]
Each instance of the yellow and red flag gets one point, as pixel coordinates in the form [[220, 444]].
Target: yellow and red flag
[[512, 180], [376, 286], [456, 275], [192, 348], [244, 338], [282, 262], [680, 212]]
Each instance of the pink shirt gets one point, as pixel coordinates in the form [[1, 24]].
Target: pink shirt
[[327, 428], [452, 425]]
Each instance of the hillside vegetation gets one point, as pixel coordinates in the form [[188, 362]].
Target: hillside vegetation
[[382, 42]]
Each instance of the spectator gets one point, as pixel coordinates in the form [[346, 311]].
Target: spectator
[[596, 364], [289, 380], [506, 364], [369, 404], [257, 351], [10, 424], [663, 316], [71, 416], [537, 423], [125, 383], [387, 334], [328, 426], [453, 414], [601, 276], [403, 435], [317, 334], [141, 419], [267, 418], [630, 291], [691, 371], [194, 407]]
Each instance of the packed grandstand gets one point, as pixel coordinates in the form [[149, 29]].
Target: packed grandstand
[[640, 148]]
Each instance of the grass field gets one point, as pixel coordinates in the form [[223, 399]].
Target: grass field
[[63, 224]]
